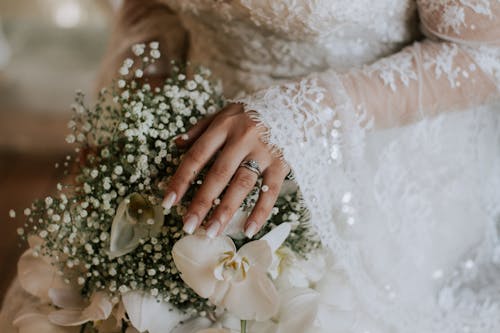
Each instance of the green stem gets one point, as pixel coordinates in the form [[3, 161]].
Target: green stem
[[243, 326]]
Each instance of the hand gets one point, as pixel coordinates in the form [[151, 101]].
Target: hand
[[237, 136]]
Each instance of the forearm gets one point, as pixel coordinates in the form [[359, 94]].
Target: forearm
[[423, 80]]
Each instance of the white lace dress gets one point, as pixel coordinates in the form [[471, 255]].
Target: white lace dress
[[394, 143]]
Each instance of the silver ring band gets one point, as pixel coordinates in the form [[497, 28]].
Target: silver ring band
[[252, 165]]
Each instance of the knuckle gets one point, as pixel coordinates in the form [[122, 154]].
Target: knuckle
[[195, 154], [245, 180], [249, 132], [274, 189], [221, 171], [223, 119]]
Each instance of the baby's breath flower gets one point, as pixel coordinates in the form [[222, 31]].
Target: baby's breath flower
[[70, 138], [123, 71], [138, 49]]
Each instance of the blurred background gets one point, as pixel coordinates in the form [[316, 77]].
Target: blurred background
[[48, 49]]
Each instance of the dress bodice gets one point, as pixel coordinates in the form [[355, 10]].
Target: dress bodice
[[265, 41]]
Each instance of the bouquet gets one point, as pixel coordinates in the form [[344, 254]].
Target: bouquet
[[105, 256]]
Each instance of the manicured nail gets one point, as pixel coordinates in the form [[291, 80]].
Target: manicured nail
[[181, 137], [213, 230], [251, 230], [169, 200], [190, 224]]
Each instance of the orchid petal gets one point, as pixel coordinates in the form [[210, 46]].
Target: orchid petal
[[70, 299], [99, 309], [258, 253], [37, 275], [253, 298], [123, 238], [147, 314], [299, 308], [236, 225], [36, 321], [193, 325], [196, 257], [129, 226], [214, 330], [277, 236]]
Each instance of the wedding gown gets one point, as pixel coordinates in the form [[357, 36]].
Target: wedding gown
[[394, 143]]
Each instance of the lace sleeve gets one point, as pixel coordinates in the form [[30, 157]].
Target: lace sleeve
[[319, 122], [140, 21]]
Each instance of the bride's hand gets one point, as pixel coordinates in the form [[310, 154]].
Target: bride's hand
[[236, 135]]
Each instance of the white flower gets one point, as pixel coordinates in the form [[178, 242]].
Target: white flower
[[226, 276], [298, 310], [146, 313], [123, 70], [203, 325], [70, 138], [74, 310], [136, 218], [235, 227], [128, 63], [138, 49], [12, 214], [155, 54], [36, 273], [34, 320]]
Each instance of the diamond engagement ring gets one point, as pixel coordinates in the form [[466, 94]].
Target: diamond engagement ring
[[252, 165]]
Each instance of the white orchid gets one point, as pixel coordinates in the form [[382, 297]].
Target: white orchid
[[235, 227], [36, 273], [41, 279], [214, 269], [75, 311], [146, 313], [136, 218], [297, 313], [34, 319]]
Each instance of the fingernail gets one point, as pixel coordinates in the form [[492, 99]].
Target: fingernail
[[251, 230], [190, 224], [213, 230], [169, 200], [181, 137]]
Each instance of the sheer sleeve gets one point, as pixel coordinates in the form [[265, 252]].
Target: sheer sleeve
[[319, 123], [139, 21]]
